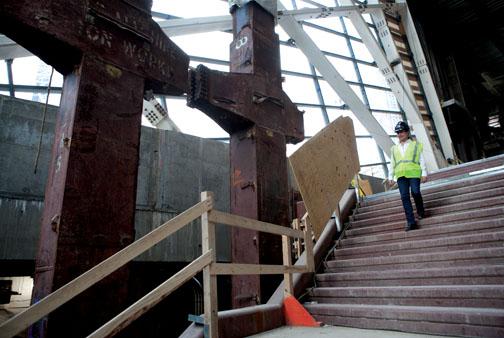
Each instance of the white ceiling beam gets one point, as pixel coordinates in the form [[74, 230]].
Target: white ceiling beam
[[390, 49], [176, 27], [335, 80], [426, 80], [11, 50], [327, 12], [400, 93], [389, 46]]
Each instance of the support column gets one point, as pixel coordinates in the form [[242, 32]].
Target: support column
[[259, 190], [90, 194]]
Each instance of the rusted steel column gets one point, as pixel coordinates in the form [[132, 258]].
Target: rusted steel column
[[259, 189], [109, 52], [91, 191], [250, 104]]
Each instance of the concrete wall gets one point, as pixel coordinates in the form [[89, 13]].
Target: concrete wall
[[173, 169]]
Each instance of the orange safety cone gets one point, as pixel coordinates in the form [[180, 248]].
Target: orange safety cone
[[296, 315]]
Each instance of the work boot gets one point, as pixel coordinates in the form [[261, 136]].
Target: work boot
[[411, 227], [421, 215]]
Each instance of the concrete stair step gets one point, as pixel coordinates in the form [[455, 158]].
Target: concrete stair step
[[396, 208], [445, 295], [457, 229], [471, 275], [468, 241], [469, 322], [470, 184], [436, 195], [430, 259], [464, 168], [436, 211], [400, 226], [439, 220], [447, 277]]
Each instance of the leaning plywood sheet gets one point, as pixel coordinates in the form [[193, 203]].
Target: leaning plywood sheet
[[324, 167]]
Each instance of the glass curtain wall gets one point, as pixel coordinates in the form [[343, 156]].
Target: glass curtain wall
[[28, 77]]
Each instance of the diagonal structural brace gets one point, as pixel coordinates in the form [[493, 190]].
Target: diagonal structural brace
[[175, 27], [402, 97], [387, 41], [335, 80]]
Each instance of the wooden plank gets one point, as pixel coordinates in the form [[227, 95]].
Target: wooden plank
[[255, 269], [287, 261], [209, 280], [295, 224], [252, 224], [297, 242], [310, 260], [48, 304], [152, 298], [324, 167]]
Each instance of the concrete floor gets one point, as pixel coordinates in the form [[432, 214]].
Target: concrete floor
[[336, 331]]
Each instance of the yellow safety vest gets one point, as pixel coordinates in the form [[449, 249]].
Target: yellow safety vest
[[409, 164]]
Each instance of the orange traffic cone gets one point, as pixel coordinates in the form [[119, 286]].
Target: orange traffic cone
[[296, 315]]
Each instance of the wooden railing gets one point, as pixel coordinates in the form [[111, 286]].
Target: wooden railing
[[206, 262]]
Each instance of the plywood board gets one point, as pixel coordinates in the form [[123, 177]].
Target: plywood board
[[365, 186], [324, 167]]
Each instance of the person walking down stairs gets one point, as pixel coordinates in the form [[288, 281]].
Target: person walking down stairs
[[407, 167]]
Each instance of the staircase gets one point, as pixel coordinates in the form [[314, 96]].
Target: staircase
[[445, 278]]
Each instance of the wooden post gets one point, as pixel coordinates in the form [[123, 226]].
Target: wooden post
[[209, 280], [287, 261], [48, 304], [310, 262], [297, 241]]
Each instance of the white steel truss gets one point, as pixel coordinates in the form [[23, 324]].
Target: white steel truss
[[175, 27], [335, 80], [400, 93], [426, 80]]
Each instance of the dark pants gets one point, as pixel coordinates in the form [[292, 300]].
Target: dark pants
[[404, 188]]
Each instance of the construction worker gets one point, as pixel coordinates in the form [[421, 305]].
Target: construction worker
[[407, 167]]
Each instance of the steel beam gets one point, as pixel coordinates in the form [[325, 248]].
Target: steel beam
[[11, 50], [8, 63], [335, 80], [390, 49], [426, 80], [175, 27], [328, 12], [401, 94]]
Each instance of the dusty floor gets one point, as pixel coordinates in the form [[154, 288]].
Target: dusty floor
[[336, 331]]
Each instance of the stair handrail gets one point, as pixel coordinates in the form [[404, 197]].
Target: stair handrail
[[206, 262], [68, 291], [208, 220]]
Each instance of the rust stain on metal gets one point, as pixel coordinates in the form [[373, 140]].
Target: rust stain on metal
[[55, 221], [113, 71]]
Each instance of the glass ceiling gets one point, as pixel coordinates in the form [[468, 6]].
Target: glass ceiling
[[335, 36]]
